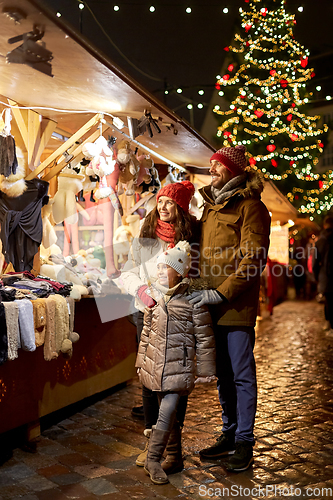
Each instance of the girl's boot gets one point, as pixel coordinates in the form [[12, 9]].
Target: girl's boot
[[174, 460], [140, 461], [157, 443]]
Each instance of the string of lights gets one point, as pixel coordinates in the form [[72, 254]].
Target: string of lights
[[266, 86]]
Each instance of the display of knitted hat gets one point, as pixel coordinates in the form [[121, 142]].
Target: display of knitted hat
[[14, 184], [64, 204]]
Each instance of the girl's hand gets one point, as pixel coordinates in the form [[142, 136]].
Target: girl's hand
[[205, 380]]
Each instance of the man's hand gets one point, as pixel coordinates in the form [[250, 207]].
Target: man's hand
[[202, 297]]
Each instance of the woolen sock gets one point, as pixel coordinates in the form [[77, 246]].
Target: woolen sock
[[12, 314], [3, 335], [26, 325]]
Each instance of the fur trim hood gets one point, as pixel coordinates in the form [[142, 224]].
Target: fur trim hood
[[254, 186]]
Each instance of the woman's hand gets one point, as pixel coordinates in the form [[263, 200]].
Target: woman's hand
[[205, 380]]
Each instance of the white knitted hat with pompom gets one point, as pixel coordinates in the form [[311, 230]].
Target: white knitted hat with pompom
[[178, 257]]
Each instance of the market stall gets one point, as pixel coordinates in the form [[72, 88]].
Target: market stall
[[95, 142]]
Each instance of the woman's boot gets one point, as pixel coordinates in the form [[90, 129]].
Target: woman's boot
[[174, 460], [157, 443], [140, 461]]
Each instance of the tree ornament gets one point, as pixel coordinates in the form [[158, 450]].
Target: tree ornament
[[252, 161], [258, 113], [321, 184], [283, 83], [304, 62], [248, 27], [272, 72], [289, 117], [274, 163], [226, 77], [271, 148]]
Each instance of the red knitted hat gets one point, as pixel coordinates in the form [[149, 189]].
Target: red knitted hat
[[232, 158], [180, 192]]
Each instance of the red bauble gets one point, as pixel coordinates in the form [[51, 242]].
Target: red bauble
[[258, 113], [248, 27], [274, 163], [226, 49], [289, 117], [226, 133], [217, 86], [321, 184], [304, 62], [313, 74], [271, 148], [252, 161], [272, 72], [284, 83], [226, 77], [263, 11], [293, 105], [296, 197], [247, 44], [294, 137], [321, 145]]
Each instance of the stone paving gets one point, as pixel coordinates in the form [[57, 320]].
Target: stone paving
[[91, 454]]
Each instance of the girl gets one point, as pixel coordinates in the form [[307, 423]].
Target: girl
[[173, 334], [167, 224]]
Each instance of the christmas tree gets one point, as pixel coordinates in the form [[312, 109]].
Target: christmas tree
[[266, 86]]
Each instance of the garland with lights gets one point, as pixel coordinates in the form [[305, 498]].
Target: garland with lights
[[265, 84]]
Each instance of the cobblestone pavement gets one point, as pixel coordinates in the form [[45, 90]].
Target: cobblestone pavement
[[91, 454]]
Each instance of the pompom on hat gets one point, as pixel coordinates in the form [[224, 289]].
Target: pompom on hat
[[233, 159], [178, 257], [180, 192]]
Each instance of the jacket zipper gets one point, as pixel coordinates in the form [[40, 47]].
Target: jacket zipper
[[185, 354]]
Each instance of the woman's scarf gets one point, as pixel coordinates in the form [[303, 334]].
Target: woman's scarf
[[166, 232]]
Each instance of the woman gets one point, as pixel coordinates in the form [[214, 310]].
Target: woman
[[167, 224]]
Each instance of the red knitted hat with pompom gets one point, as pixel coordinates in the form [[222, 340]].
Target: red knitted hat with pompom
[[232, 158], [180, 192]]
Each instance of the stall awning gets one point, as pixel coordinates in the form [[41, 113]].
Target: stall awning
[[86, 81]]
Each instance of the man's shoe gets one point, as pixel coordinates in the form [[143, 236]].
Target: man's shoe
[[224, 445], [242, 458], [137, 411]]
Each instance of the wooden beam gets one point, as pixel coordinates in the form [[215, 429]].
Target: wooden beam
[[47, 127], [17, 113], [83, 130], [33, 136], [59, 166]]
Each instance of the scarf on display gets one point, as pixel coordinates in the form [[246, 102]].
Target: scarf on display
[[220, 195], [166, 232]]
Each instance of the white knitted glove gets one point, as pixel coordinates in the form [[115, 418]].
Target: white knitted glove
[[198, 299], [205, 380]]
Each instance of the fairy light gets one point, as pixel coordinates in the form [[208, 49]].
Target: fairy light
[[267, 108]]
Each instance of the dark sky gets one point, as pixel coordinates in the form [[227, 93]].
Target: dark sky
[[186, 50]]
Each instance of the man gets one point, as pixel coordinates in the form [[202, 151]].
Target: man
[[233, 253], [323, 268]]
